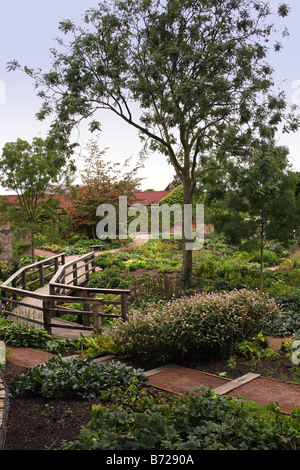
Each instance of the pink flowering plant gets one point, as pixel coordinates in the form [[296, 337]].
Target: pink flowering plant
[[192, 325]]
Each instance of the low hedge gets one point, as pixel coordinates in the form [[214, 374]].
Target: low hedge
[[190, 326]]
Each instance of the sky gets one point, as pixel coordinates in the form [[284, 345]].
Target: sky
[[27, 33]]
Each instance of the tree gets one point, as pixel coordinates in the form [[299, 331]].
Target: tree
[[259, 184], [102, 182], [195, 68], [30, 170], [284, 211]]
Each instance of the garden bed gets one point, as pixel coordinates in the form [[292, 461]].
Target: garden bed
[[38, 423]]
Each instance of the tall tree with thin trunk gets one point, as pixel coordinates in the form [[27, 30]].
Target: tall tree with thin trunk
[[191, 76], [33, 172], [259, 185]]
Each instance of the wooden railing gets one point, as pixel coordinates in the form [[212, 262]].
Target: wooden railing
[[50, 306], [66, 285], [35, 274], [71, 278]]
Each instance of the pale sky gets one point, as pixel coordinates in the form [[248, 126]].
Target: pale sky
[[28, 31]]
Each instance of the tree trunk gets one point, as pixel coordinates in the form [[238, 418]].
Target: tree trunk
[[261, 275], [187, 252], [32, 244]]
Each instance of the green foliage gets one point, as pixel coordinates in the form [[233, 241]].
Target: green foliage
[[25, 260], [30, 170], [289, 320], [59, 377], [6, 269], [193, 325], [54, 247], [111, 278], [155, 254], [97, 345], [18, 335], [257, 348], [137, 421], [269, 258], [82, 246]]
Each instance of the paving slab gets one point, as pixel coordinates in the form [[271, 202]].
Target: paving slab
[[265, 391], [180, 379], [27, 357]]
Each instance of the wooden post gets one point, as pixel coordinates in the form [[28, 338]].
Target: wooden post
[[85, 317], [97, 324], [93, 263], [124, 306], [14, 284], [86, 268], [41, 274], [47, 316], [3, 302], [75, 274], [24, 279]]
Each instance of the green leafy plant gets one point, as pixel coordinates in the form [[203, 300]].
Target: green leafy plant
[[18, 335], [97, 345], [135, 421], [59, 377], [257, 348]]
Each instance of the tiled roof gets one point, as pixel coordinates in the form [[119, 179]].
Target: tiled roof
[[150, 197], [142, 197]]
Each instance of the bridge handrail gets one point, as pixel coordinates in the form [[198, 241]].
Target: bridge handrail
[[27, 267], [53, 301]]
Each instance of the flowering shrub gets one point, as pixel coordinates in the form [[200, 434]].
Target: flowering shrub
[[210, 322]]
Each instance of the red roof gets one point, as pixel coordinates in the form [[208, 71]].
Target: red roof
[[142, 197], [150, 197], [64, 201]]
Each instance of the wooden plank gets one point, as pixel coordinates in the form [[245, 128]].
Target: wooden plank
[[104, 358], [160, 369], [232, 385]]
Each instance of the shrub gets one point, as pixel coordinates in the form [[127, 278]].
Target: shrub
[[192, 325], [269, 258], [80, 378], [289, 319], [111, 278], [6, 269], [54, 247]]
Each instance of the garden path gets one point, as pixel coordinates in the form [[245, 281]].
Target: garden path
[[36, 313], [177, 380]]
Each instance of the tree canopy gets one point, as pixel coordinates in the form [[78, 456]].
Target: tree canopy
[[31, 171], [102, 183], [196, 70]]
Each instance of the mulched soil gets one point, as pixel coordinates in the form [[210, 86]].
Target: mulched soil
[[37, 423], [279, 369]]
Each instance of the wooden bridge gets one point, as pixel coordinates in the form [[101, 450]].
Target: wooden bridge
[[38, 295]]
